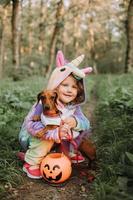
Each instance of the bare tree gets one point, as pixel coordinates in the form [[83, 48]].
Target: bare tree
[[3, 15], [77, 32], [91, 40], [129, 52], [42, 26], [30, 27], [59, 15], [16, 31]]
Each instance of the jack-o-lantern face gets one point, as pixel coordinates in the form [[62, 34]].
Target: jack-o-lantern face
[[56, 168]]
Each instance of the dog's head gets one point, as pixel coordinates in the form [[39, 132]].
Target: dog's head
[[48, 99]]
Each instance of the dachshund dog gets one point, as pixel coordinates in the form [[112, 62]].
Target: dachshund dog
[[48, 99], [88, 148]]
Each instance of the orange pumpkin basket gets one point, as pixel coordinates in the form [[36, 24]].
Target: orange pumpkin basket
[[56, 168]]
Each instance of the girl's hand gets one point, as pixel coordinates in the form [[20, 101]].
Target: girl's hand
[[71, 122], [64, 130]]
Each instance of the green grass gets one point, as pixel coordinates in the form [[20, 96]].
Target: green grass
[[114, 137], [16, 99], [113, 132]]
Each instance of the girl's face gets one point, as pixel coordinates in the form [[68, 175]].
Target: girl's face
[[67, 90]]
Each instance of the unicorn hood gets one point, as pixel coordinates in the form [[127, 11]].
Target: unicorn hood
[[64, 69]]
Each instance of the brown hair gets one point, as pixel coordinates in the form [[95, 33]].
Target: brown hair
[[81, 93]]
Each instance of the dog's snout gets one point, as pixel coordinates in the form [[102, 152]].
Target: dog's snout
[[47, 107]]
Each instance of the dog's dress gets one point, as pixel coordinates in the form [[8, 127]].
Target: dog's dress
[[64, 113]]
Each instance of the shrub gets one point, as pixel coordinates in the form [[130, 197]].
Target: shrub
[[114, 137]]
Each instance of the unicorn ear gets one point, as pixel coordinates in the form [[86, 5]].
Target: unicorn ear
[[87, 70], [60, 60]]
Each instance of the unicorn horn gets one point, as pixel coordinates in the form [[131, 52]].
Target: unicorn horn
[[77, 61]]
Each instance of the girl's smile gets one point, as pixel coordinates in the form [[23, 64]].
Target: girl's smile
[[67, 90]]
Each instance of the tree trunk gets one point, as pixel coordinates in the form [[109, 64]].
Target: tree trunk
[[30, 32], [91, 43], [2, 41], [77, 33], [43, 13], [129, 58], [56, 31], [16, 31]]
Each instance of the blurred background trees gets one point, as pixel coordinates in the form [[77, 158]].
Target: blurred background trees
[[31, 32]]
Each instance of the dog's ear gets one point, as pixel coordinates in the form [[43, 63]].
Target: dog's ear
[[39, 96], [56, 94]]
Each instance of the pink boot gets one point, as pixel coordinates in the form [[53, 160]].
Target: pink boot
[[21, 155]]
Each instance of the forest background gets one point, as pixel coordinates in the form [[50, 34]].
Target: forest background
[[31, 33]]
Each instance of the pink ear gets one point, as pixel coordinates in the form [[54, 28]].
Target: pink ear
[[60, 60], [87, 70]]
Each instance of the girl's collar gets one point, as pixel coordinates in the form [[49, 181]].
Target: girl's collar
[[60, 106]]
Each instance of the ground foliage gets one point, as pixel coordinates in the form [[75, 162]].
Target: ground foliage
[[16, 99], [113, 132], [15, 102], [114, 137]]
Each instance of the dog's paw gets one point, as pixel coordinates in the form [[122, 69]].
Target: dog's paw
[[36, 118]]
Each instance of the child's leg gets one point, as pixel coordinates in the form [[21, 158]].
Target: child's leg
[[34, 155], [37, 150]]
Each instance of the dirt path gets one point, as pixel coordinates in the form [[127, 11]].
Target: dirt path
[[76, 188]]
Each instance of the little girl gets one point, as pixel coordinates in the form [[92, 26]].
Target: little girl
[[68, 82]]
